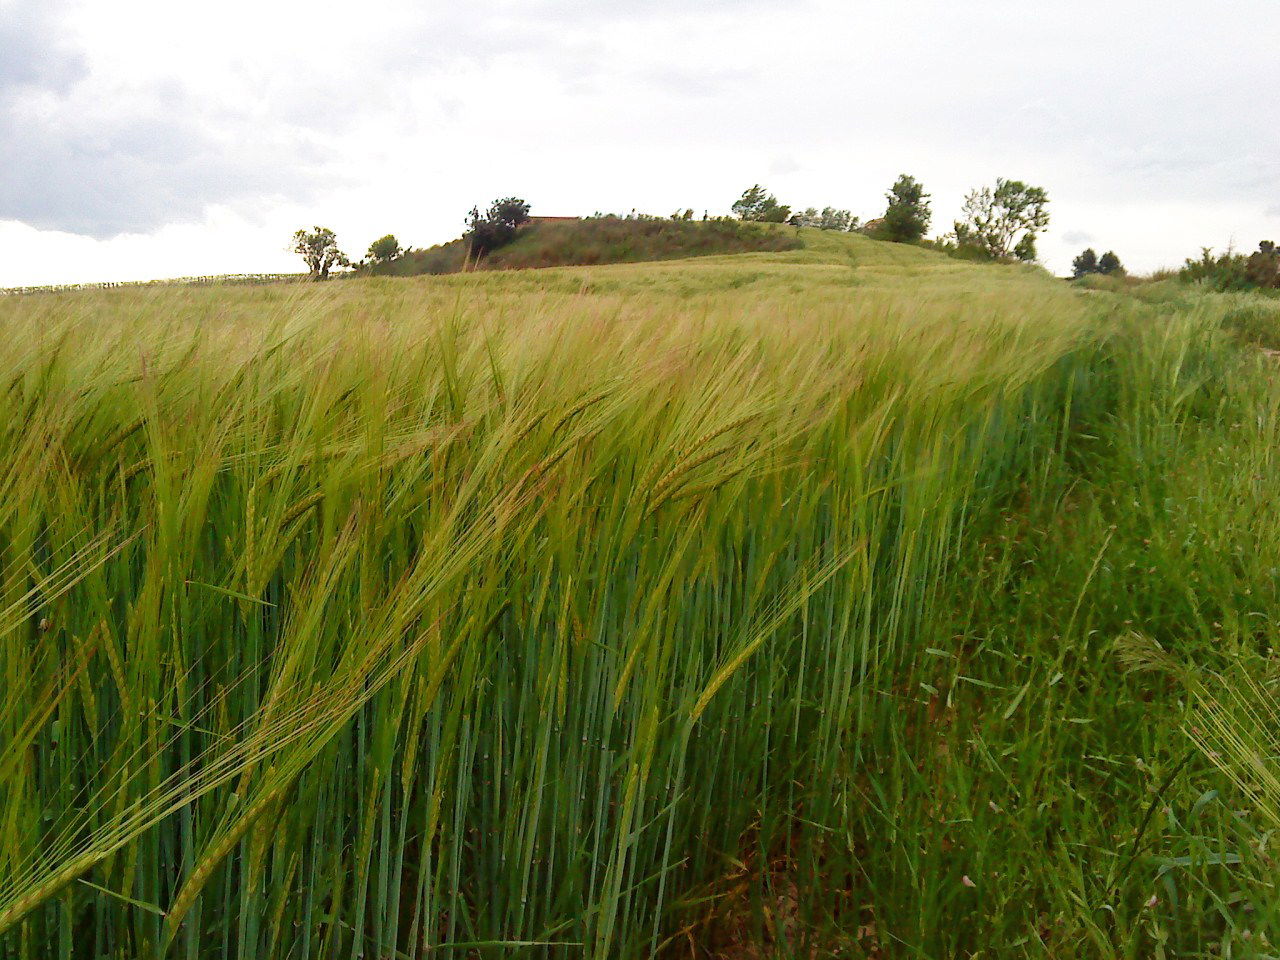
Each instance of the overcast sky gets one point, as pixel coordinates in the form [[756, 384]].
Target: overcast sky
[[149, 138]]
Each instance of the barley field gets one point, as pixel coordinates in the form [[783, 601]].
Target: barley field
[[846, 601]]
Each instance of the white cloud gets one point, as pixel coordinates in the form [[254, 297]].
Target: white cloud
[[236, 123]]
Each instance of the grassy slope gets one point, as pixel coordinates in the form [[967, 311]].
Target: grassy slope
[[750, 598], [601, 240]]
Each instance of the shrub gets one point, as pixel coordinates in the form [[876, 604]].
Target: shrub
[[1227, 271], [1263, 267]]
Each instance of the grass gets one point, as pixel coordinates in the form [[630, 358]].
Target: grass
[[769, 604]]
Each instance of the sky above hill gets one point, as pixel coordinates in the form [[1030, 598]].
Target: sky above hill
[[147, 138]]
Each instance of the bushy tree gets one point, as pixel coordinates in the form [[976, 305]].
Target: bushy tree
[[1004, 222], [1085, 264], [497, 226], [1109, 263], [319, 250], [384, 249], [907, 216], [759, 205], [1263, 267]]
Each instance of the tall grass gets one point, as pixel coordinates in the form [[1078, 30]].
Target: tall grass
[[595, 614]]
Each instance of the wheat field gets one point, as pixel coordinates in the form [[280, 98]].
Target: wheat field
[[745, 606]]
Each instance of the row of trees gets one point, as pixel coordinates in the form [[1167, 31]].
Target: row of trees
[[998, 223]]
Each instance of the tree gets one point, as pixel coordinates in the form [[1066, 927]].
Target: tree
[[839, 220], [907, 216], [319, 249], [1262, 269], [805, 218], [760, 206], [1110, 263], [1004, 222], [497, 226], [1084, 264], [384, 250], [829, 218]]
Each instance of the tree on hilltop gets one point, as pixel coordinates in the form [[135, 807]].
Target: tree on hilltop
[[1089, 262], [1004, 222], [497, 226], [760, 206], [907, 216], [384, 249], [319, 250], [1109, 263], [1084, 264], [841, 221], [829, 218]]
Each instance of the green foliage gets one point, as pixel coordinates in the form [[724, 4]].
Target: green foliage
[[1089, 264], [1003, 222], [1085, 264], [384, 250], [497, 226], [1109, 263], [319, 250], [1233, 271], [758, 205], [828, 218], [906, 219], [1263, 266]]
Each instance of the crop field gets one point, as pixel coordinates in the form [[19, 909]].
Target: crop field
[[843, 601]]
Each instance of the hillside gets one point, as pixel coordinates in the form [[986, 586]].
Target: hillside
[[599, 240], [766, 604]]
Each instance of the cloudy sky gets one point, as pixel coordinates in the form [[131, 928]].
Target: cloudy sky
[[148, 138]]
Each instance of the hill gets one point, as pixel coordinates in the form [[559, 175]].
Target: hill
[[766, 604], [557, 242]]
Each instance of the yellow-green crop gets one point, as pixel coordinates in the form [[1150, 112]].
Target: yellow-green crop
[[566, 613]]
